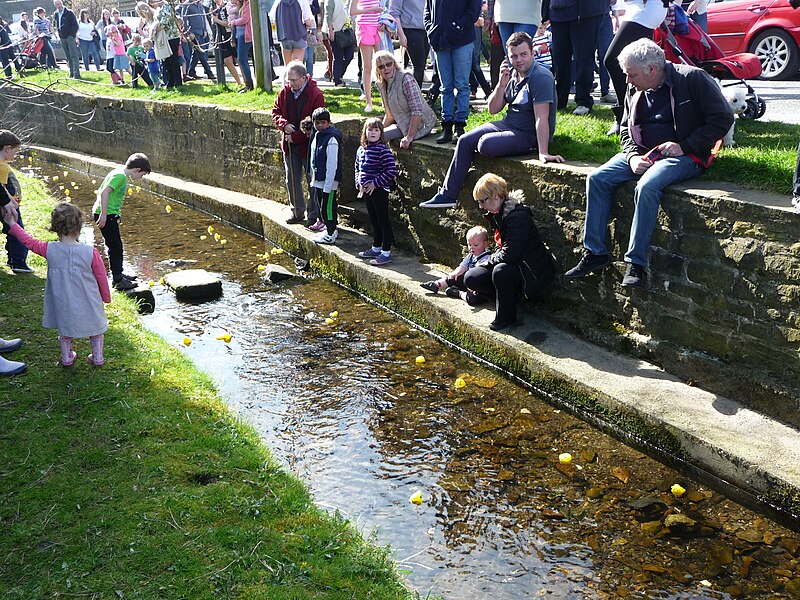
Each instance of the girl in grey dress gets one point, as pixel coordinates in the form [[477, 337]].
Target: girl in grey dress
[[76, 285]]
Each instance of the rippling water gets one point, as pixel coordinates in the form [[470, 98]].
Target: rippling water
[[347, 408]]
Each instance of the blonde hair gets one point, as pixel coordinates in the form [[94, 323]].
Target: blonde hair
[[145, 11], [379, 56], [66, 219], [490, 185], [478, 232]]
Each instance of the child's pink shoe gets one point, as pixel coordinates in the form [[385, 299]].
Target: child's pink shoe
[[71, 361], [95, 363]]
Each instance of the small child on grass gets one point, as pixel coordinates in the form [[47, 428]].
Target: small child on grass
[[76, 286], [325, 170], [153, 64], [136, 55], [108, 207], [375, 173], [478, 244], [17, 253]]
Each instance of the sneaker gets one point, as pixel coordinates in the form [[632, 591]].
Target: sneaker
[[500, 325], [431, 286], [20, 267], [581, 111], [294, 220], [327, 238], [369, 253], [10, 345], [609, 98], [796, 203], [635, 276], [316, 226], [129, 277], [453, 292], [589, 262], [124, 284], [439, 201], [383, 259], [11, 367]]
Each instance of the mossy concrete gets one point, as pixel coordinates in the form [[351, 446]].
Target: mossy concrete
[[718, 438]]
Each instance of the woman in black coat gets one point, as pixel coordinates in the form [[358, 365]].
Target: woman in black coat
[[522, 265]]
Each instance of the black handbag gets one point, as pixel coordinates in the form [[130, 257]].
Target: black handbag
[[345, 38]]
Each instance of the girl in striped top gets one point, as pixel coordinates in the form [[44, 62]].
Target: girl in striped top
[[375, 173]]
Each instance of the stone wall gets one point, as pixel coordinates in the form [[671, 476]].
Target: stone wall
[[721, 307]]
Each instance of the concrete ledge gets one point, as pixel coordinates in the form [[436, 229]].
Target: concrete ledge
[[752, 457]]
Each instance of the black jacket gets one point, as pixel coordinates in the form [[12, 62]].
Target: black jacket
[[519, 244], [450, 24], [69, 24], [700, 113]]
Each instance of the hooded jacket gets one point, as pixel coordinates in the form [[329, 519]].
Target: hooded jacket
[[518, 243], [450, 23], [700, 113]]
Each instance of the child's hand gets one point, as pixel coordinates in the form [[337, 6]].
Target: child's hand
[[10, 215], [101, 220], [368, 188]]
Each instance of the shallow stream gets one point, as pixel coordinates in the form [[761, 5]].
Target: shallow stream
[[347, 407]]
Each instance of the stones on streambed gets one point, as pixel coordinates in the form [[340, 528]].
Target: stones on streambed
[[276, 273], [194, 284], [143, 295]]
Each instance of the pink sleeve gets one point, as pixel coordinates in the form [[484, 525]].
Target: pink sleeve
[[99, 271], [27, 240]]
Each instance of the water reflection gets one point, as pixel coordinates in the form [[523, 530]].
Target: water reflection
[[346, 406]]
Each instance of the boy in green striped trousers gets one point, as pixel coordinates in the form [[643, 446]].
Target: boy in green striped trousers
[[325, 169]]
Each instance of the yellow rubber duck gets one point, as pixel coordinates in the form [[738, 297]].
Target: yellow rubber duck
[[460, 383], [329, 321], [420, 360], [210, 230], [55, 177], [260, 268], [187, 341], [66, 173], [565, 458], [66, 192], [223, 242], [677, 490], [334, 314], [416, 498], [151, 283], [168, 208], [217, 237], [225, 337], [277, 251]]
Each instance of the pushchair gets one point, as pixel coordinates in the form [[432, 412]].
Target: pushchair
[[684, 42], [29, 50]]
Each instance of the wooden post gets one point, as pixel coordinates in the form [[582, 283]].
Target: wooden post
[[259, 9]]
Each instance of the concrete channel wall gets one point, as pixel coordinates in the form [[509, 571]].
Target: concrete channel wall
[[721, 308]]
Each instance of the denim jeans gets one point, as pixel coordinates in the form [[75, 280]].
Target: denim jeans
[[506, 29], [646, 199], [454, 67], [200, 54], [89, 50], [243, 55], [491, 139]]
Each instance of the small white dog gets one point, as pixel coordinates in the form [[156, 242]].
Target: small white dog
[[737, 100]]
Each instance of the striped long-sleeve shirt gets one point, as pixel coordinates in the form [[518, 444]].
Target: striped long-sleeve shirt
[[375, 163]]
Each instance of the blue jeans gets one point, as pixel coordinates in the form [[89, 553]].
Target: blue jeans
[[701, 20], [600, 186], [506, 29], [17, 253], [242, 55], [454, 67], [491, 140], [308, 59], [89, 49]]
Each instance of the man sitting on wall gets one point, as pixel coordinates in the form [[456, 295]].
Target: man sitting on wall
[[527, 127], [674, 115]]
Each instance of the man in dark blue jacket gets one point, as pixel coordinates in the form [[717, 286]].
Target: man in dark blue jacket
[[673, 117], [196, 31], [450, 25], [67, 27]]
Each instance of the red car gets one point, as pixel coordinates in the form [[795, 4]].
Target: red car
[[770, 29]]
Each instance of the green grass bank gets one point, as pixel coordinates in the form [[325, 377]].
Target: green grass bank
[[134, 480]]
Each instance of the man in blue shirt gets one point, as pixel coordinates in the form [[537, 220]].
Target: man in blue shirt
[[527, 127]]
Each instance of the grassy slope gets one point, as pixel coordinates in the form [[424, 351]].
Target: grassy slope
[[134, 481]]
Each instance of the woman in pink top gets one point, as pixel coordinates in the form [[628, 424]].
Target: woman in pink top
[[244, 40], [369, 42]]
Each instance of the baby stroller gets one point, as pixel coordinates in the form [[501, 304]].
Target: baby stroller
[[29, 50], [684, 42]]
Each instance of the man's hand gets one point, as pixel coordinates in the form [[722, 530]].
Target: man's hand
[[505, 71], [10, 213], [639, 164], [289, 129], [101, 220], [403, 39], [670, 149], [405, 143], [546, 158]]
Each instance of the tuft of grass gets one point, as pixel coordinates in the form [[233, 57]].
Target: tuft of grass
[[134, 480]]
